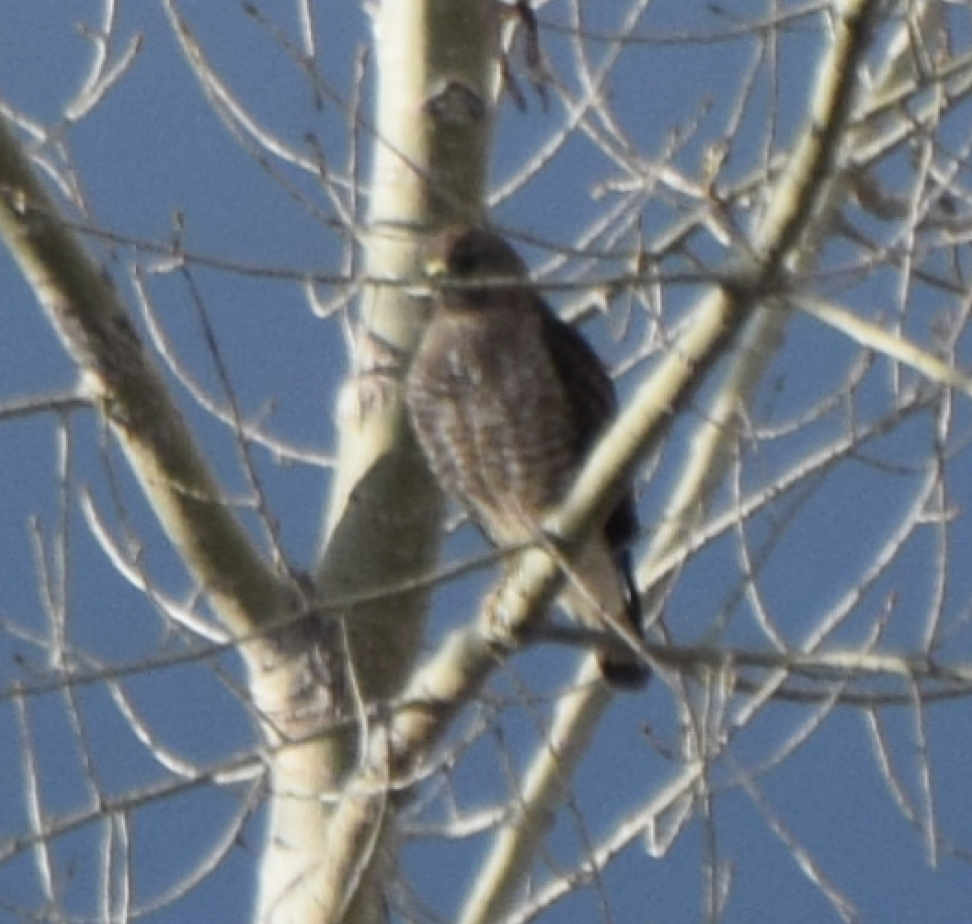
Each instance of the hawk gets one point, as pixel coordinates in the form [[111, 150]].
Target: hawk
[[506, 401]]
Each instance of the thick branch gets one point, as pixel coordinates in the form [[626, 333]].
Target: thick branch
[[437, 61], [798, 204], [96, 330]]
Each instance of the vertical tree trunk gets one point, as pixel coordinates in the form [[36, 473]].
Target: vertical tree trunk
[[437, 66]]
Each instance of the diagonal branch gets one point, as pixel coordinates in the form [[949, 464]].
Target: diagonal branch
[[95, 328], [799, 203]]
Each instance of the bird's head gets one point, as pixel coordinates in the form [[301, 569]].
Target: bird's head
[[473, 268]]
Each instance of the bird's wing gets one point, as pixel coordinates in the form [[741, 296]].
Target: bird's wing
[[594, 403]]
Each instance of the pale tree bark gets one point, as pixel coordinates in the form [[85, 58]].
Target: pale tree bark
[[317, 663], [745, 318], [437, 65], [355, 709]]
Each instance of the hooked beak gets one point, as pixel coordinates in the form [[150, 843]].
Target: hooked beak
[[435, 268]]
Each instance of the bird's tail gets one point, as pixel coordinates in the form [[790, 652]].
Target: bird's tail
[[623, 668], [601, 594]]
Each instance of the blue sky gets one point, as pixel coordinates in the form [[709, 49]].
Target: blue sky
[[153, 156]]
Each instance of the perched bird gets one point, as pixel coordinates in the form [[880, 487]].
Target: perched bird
[[506, 401]]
